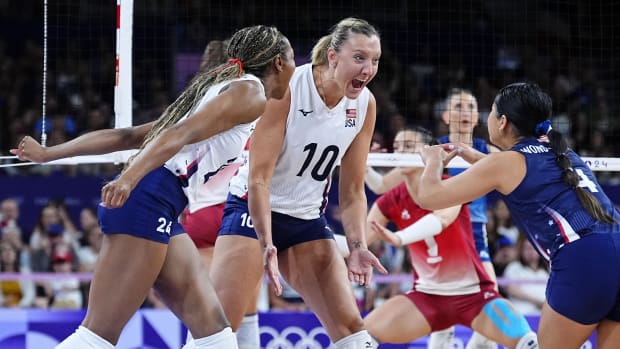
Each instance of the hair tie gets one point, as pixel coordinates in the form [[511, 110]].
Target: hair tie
[[236, 61], [543, 128]]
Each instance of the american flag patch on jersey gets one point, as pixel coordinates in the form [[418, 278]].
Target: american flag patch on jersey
[[351, 113], [350, 117]]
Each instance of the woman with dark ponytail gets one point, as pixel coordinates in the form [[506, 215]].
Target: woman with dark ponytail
[[144, 246], [553, 197]]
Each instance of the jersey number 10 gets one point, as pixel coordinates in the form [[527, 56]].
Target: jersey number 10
[[324, 166]]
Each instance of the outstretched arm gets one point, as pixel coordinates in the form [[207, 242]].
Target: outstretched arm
[[91, 143], [501, 171], [381, 183]]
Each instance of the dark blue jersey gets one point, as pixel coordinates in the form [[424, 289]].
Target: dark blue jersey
[[546, 208], [478, 207]]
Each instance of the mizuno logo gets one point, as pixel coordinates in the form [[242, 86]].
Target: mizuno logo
[[305, 113]]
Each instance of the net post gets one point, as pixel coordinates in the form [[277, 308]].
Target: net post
[[123, 83]]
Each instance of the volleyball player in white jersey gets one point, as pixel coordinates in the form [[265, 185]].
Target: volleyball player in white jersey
[[202, 218], [143, 244], [327, 118]]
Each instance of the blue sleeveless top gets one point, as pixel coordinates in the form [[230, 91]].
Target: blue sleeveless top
[[546, 208]]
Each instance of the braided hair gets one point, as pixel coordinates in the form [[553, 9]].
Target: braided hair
[[251, 51], [528, 108]]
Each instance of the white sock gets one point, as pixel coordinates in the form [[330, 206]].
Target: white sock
[[529, 341], [83, 338], [248, 335], [358, 340], [478, 341], [225, 339], [441, 339]]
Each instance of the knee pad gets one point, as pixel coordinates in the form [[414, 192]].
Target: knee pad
[[511, 323]]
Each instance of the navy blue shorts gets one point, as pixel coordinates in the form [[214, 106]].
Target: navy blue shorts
[[584, 284], [480, 239], [287, 231], [152, 210]]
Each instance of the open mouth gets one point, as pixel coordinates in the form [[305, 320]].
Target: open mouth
[[357, 84]]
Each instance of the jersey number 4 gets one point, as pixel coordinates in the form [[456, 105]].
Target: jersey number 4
[[586, 182], [324, 165]]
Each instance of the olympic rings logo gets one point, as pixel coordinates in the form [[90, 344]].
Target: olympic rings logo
[[294, 337]]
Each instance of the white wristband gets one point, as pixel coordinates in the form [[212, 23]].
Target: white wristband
[[374, 180], [341, 241], [425, 227]]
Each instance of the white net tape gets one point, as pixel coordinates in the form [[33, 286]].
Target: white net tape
[[374, 159]]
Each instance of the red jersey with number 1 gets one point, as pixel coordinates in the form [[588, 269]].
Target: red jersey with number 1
[[445, 264]]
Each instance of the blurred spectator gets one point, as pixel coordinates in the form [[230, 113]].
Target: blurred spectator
[[503, 222], [9, 217], [14, 293], [88, 220], [64, 292], [11, 232], [528, 298], [89, 250], [54, 213], [505, 253], [87, 255], [43, 245]]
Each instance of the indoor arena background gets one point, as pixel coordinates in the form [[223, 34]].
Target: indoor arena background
[[428, 48]]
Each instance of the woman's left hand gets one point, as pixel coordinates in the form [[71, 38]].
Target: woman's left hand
[[360, 264], [438, 152]]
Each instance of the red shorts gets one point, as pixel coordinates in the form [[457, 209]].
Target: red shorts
[[442, 312], [202, 226]]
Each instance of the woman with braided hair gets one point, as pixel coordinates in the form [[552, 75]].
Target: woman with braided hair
[[556, 200], [200, 133]]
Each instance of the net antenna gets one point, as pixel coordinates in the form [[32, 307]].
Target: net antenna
[[44, 78]]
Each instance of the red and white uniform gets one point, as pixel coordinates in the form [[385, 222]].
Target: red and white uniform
[[450, 285], [446, 264]]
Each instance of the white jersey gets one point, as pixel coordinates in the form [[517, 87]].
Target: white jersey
[[205, 168], [315, 140]]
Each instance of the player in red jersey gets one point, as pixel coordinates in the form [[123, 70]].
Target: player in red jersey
[[451, 286]]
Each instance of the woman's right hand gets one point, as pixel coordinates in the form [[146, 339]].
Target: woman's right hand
[[30, 150], [270, 263]]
